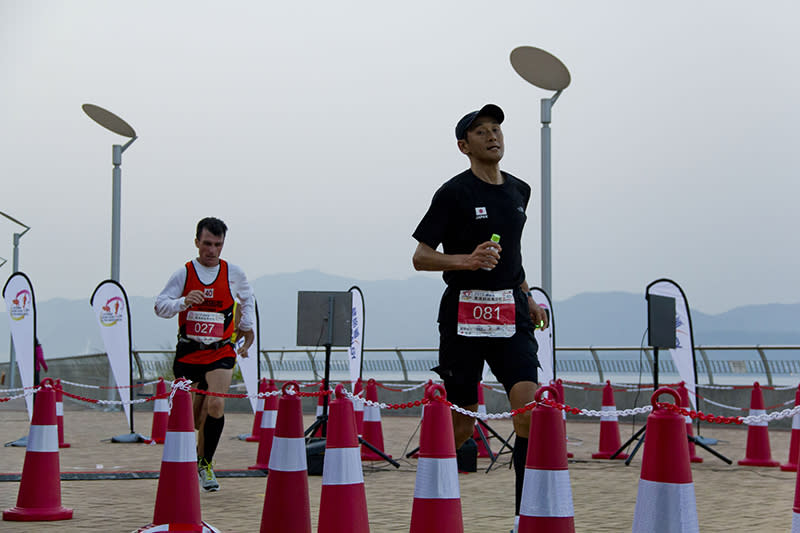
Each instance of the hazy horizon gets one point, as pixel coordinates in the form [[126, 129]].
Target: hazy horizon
[[319, 133]]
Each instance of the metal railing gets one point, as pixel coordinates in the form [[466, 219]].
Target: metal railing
[[774, 364]]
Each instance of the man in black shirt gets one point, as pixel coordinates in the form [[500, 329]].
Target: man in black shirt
[[486, 312]]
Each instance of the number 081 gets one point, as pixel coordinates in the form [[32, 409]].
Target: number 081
[[486, 312]]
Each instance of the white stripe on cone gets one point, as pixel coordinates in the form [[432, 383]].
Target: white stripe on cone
[[161, 406], [608, 418], [171, 527], [437, 479], [288, 454], [655, 508], [796, 421], [372, 413], [180, 447], [546, 493], [319, 410], [43, 439], [795, 523], [268, 419], [342, 466], [757, 412], [59, 408], [260, 404]]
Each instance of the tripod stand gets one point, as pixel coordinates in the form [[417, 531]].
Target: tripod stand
[[483, 428], [639, 435], [320, 308]]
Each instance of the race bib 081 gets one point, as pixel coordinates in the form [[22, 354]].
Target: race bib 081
[[486, 313], [204, 326]]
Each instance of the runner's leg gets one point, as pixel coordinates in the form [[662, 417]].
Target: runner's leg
[[219, 381], [521, 394], [463, 425]]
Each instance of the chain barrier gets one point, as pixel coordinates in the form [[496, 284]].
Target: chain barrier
[[108, 387], [186, 386], [28, 391], [19, 389]]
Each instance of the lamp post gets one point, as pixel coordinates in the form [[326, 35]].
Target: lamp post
[[112, 122], [545, 71], [12, 356]]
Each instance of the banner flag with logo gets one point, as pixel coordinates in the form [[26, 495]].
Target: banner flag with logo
[[249, 365], [357, 335], [545, 338], [110, 304], [21, 308], [683, 353]]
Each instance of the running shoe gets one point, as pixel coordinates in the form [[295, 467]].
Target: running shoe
[[208, 480]]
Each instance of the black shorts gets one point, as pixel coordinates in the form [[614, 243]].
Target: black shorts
[[511, 360], [197, 373]]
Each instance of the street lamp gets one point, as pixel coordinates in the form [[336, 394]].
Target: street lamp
[[545, 71], [112, 122], [12, 355]]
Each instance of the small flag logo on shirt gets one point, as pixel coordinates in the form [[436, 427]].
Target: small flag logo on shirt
[[480, 212]]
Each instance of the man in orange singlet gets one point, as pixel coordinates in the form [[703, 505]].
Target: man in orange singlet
[[203, 293]]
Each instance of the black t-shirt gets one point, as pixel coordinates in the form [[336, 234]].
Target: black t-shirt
[[465, 212]]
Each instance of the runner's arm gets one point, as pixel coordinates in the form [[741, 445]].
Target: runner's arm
[[485, 254], [243, 291], [538, 315], [170, 301]]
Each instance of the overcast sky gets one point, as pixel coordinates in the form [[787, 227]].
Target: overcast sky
[[319, 131]]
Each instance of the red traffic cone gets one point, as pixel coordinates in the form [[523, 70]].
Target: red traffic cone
[[178, 496], [359, 407], [267, 429], [796, 508], [286, 503], [794, 443], [559, 386], [415, 453], [373, 430], [343, 503], [255, 433], [483, 449], [683, 392], [39, 496], [546, 503], [60, 415], [160, 414], [320, 400], [609, 428], [758, 452], [665, 502], [437, 499]]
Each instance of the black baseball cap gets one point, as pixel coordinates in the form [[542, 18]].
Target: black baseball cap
[[489, 110]]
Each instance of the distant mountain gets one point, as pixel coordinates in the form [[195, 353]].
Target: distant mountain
[[403, 313]]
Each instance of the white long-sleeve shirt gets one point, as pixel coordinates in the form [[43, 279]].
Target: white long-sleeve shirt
[[170, 301]]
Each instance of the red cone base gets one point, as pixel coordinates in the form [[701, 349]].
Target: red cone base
[[436, 516]]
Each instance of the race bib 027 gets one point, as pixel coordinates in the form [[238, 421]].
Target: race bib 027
[[204, 326], [486, 313]]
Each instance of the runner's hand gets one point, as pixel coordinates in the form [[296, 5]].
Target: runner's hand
[[194, 298], [248, 337], [486, 255], [538, 314]]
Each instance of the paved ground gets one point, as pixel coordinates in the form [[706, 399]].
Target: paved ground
[[729, 498]]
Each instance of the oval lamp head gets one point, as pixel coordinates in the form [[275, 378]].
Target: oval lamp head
[[108, 120], [540, 68]]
